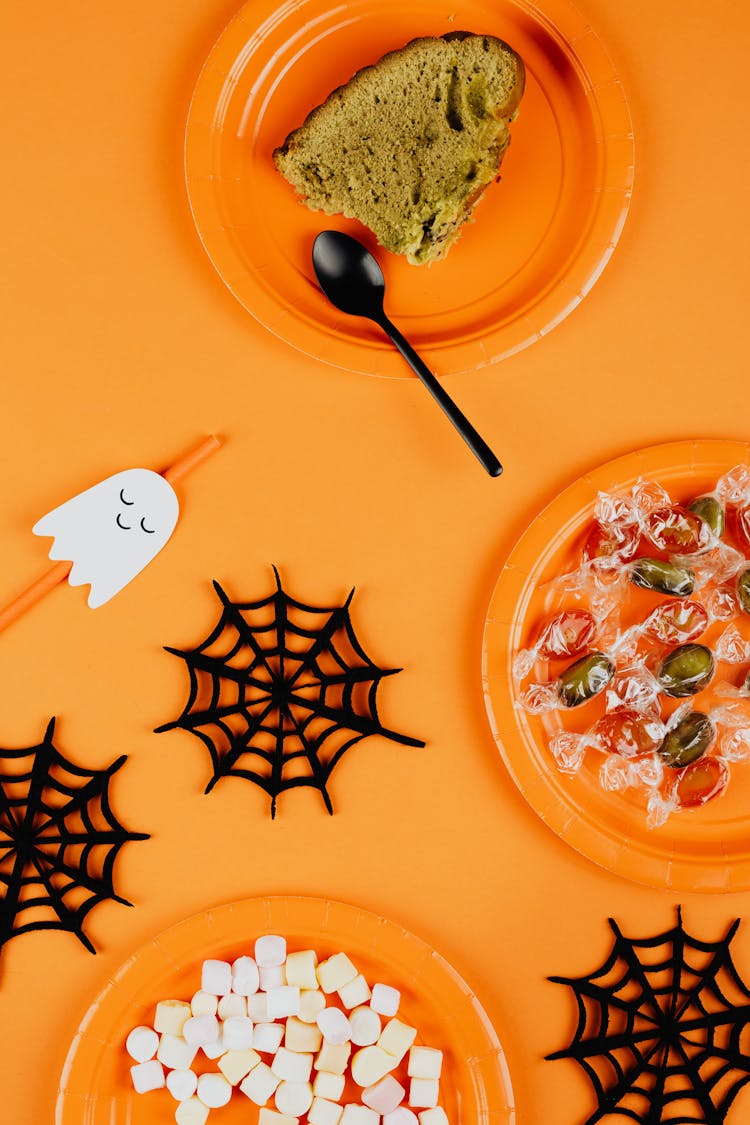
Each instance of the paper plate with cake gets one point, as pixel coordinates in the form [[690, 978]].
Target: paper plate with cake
[[484, 154]]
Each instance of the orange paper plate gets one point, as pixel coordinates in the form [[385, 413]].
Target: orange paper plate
[[95, 1086], [541, 237], [705, 849]]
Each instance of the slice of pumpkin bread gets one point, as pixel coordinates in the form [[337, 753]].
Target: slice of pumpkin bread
[[409, 144]]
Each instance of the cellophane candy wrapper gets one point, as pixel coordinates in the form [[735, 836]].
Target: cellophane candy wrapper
[[666, 723], [568, 633]]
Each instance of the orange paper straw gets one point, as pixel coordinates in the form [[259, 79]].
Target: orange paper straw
[[191, 460], [13, 610], [60, 571]]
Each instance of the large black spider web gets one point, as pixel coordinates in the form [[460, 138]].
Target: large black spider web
[[279, 691], [663, 1029], [58, 841]]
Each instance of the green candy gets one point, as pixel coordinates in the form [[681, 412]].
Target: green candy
[[584, 679], [711, 512], [743, 590], [688, 741], [664, 577], [686, 670]]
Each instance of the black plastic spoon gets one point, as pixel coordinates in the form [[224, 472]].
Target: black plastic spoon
[[353, 281]]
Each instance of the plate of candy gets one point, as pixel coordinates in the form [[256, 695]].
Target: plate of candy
[[285, 1011], [616, 665]]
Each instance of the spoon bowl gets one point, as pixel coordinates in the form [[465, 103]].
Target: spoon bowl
[[348, 274]]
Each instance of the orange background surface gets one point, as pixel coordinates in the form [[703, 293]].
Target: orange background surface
[[122, 346]]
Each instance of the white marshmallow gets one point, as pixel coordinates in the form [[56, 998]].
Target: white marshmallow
[[267, 1037], [330, 1087], [396, 1038], [283, 1002], [323, 1112], [257, 1008], [204, 1004], [300, 969], [358, 1115], [236, 1065], [271, 976], [384, 1096], [334, 1025], [259, 1084], [385, 1000], [291, 1067], [370, 1064], [231, 1005], [142, 1044], [424, 1093], [311, 1003], [354, 993], [270, 950], [175, 1053], [293, 1098], [334, 973], [237, 1033], [402, 1116], [182, 1084], [147, 1076], [365, 1025], [245, 976], [216, 977], [170, 1016], [272, 1117], [214, 1090], [214, 1050], [333, 1057], [302, 1037], [191, 1112], [200, 1030], [425, 1062], [436, 1116]]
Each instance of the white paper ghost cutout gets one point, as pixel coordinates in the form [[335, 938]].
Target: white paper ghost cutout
[[112, 531]]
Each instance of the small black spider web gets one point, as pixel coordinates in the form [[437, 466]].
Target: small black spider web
[[280, 690], [58, 840], [663, 1029]]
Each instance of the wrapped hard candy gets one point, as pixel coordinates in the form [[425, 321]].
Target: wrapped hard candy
[[568, 633], [624, 734], [581, 681], [687, 740], [662, 576], [711, 510], [686, 670], [677, 530]]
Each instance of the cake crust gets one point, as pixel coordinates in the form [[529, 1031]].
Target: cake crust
[[410, 143]]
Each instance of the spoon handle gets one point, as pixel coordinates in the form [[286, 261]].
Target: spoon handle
[[475, 442]]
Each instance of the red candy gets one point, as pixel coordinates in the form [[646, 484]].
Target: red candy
[[628, 733], [675, 529], [618, 542], [743, 523], [567, 634], [701, 782], [676, 622]]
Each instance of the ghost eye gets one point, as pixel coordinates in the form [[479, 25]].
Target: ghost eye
[[148, 530], [122, 497], [124, 526]]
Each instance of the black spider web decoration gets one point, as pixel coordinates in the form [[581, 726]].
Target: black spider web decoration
[[279, 691], [663, 1029], [58, 841]]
